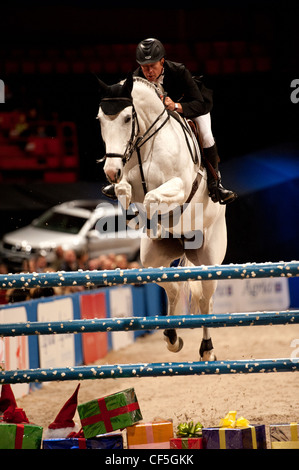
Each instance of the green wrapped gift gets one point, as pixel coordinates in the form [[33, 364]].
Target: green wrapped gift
[[20, 436], [109, 413], [15, 430]]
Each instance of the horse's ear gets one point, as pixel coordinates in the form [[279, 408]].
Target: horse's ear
[[103, 87], [128, 84]]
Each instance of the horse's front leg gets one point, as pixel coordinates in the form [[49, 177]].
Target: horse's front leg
[[123, 191], [171, 192], [161, 200]]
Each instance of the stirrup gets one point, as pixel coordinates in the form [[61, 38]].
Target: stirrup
[[109, 191], [219, 194]]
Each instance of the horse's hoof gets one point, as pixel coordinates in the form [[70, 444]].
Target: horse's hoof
[[176, 347], [208, 356]]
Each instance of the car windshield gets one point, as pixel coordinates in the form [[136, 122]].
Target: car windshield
[[60, 222]]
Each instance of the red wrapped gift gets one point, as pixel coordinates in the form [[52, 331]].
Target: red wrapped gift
[[186, 443]]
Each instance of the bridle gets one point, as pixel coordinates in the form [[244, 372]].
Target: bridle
[[136, 141]]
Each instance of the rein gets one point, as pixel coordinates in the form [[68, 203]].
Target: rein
[[140, 142], [135, 142]]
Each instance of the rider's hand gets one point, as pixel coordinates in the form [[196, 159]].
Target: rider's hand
[[169, 104]]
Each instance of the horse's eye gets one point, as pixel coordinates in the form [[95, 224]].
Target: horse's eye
[[127, 119]]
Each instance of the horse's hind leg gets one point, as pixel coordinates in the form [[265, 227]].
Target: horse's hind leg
[[158, 253], [206, 350], [212, 252], [173, 342]]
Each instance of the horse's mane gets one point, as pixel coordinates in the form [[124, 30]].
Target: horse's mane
[[147, 83]]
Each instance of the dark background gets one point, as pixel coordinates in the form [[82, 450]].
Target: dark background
[[254, 121]]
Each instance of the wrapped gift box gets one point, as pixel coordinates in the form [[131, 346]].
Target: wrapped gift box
[[186, 443], [20, 436], [154, 435], [106, 441], [250, 437], [109, 413], [284, 436]]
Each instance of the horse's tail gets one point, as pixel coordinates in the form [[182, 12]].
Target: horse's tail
[[191, 293]]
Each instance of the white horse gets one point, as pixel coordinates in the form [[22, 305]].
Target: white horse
[[149, 162]]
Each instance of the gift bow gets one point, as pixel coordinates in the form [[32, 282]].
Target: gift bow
[[230, 421], [189, 429]]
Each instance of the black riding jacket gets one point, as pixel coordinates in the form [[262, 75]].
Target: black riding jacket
[[180, 86]]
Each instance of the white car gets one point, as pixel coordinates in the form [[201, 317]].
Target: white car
[[94, 226]]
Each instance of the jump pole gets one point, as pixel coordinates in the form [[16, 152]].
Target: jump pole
[[149, 370], [150, 323], [148, 275]]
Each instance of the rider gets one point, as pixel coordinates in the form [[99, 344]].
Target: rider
[[188, 98]]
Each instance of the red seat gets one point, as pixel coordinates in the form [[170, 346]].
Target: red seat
[[94, 66], [62, 66], [8, 153], [193, 66], [202, 50], [263, 64], [44, 146], [238, 49], [79, 66], [118, 51], [229, 65], [127, 65], [28, 66], [70, 161], [12, 67], [60, 177], [8, 120], [212, 67], [103, 51], [45, 66], [220, 49], [246, 65], [110, 67]]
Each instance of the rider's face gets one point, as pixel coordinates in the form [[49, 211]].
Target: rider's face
[[153, 71]]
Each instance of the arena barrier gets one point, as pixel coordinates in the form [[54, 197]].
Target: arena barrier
[[104, 278]]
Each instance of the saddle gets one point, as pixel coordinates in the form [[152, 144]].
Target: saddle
[[195, 129], [189, 127]]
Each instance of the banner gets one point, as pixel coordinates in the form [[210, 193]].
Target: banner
[[14, 350], [95, 345], [56, 350], [249, 295], [121, 305]]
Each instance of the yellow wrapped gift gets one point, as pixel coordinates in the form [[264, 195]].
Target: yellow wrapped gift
[[234, 433], [284, 436]]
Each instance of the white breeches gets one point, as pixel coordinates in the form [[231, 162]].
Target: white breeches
[[205, 130]]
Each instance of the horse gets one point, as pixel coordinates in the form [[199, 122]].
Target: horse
[[150, 159]]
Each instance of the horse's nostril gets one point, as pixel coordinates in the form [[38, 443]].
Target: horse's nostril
[[118, 175]]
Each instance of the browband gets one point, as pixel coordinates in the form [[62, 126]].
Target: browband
[[114, 105]]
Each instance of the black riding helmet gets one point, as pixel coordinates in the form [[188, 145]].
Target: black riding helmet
[[149, 50]]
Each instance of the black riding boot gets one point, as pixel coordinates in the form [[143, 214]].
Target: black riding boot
[[109, 191], [217, 192]]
